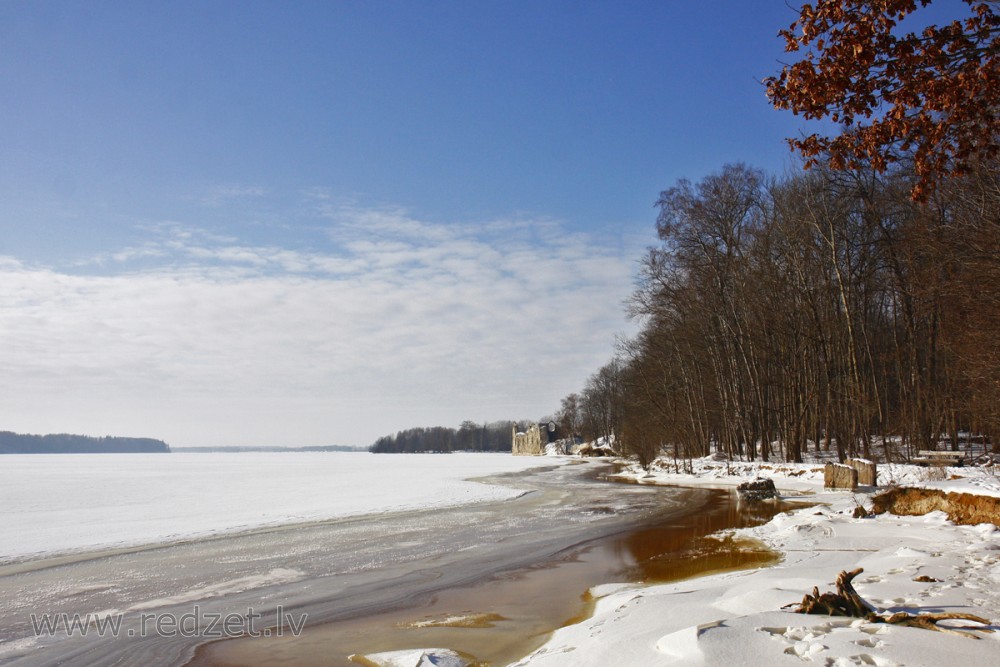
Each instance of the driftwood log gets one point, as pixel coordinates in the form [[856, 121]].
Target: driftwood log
[[847, 602]]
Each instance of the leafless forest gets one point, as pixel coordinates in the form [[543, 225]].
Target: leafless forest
[[826, 309]]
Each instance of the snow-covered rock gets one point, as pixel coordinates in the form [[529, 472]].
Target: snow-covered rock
[[424, 657]]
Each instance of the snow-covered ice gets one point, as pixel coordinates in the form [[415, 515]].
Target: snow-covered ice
[[914, 564], [430, 657], [76, 502], [739, 618]]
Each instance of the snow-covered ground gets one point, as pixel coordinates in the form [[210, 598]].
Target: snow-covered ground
[[738, 618], [75, 502]]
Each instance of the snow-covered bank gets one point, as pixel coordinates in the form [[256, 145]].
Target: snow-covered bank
[[76, 502], [737, 618]]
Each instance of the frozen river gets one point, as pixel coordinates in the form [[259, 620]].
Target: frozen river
[[73, 502], [354, 563]]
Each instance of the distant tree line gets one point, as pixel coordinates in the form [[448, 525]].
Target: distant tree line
[[220, 449], [17, 443], [469, 437]]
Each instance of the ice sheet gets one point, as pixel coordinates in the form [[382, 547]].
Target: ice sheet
[[67, 502]]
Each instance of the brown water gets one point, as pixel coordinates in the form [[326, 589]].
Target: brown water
[[503, 618]]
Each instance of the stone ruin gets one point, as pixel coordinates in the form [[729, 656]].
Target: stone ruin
[[533, 441], [527, 443]]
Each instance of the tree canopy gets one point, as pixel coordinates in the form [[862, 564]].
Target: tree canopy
[[930, 95]]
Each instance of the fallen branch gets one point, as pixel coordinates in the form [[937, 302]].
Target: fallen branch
[[929, 622], [847, 602]]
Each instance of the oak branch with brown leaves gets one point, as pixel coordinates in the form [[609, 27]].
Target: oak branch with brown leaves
[[930, 95]]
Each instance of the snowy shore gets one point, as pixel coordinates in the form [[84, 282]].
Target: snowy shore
[[738, 618]]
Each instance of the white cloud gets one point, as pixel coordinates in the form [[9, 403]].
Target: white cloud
[[222, 194], [398, 322]]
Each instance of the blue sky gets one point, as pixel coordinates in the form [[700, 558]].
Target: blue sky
[[320, 222]]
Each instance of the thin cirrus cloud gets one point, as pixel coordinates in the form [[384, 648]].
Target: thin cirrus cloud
[[221, 194], [392, 322]]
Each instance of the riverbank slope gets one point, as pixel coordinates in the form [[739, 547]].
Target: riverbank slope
[[911, 563]]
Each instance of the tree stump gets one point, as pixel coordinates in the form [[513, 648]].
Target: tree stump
[[867, 473], [837, 476], [847, 602]]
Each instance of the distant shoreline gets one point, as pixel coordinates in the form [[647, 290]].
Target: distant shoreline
[[65, 443], [265, 448]]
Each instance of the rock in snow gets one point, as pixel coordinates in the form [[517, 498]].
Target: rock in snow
[[761, 488]]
